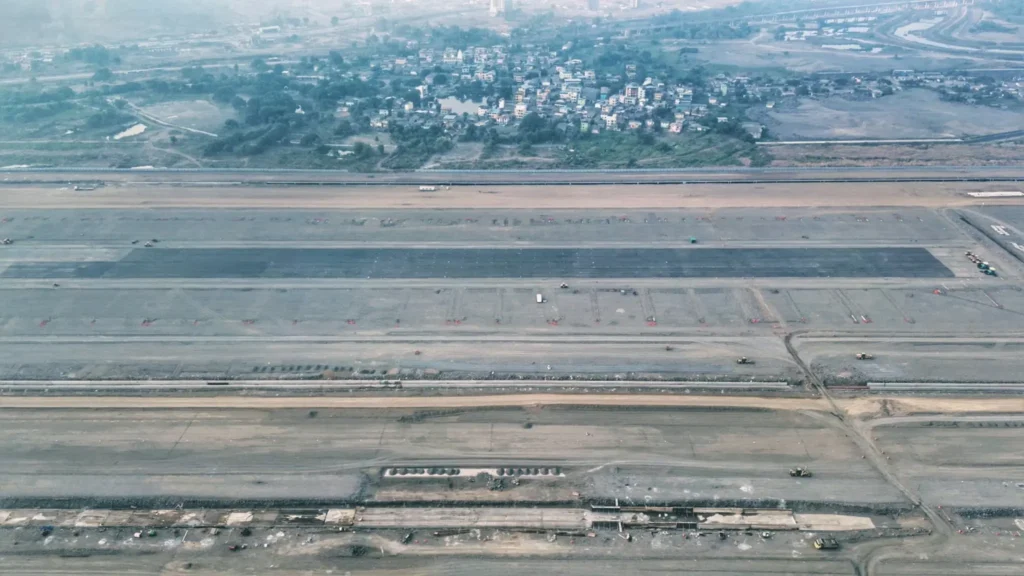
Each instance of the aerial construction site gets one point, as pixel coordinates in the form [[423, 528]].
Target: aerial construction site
[[745, 372]]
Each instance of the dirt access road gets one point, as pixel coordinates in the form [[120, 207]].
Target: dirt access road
[[861, 408]]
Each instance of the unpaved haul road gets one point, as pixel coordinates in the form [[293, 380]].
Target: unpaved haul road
[[859, 408]]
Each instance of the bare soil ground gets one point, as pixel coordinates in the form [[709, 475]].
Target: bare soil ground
[[199, 114], [411, 402], [915, 113], [864, 408], [873, 407]]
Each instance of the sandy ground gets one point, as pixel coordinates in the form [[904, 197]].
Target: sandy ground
[[337, 455], [511, 197], [877, 406], [857, 407]]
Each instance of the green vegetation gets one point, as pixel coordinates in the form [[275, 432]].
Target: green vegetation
[[1012, 10], [990, 26], [109, 118], [97, 55], [621, 150], [415, 146]]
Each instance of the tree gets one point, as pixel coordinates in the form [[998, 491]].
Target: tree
[[103, 75], [362, 150], [238, 103], [224, 94], [344, 128], [532, 122], [334, 21], [259, 65], [309, 140], [174, 140], [380, 149]]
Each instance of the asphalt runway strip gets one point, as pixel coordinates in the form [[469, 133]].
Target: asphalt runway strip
[[421, 263]]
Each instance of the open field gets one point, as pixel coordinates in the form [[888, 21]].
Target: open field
[[941, 154], [230, 457], [908, 114], [247, 456]]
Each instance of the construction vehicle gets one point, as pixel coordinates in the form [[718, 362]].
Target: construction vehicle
[[428, 188], [826, 544], [865, 356], [800, 472], [7, 242], [744, 360], [563, 286]]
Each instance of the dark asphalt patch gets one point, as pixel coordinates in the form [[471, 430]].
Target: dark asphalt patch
[[500, 263]]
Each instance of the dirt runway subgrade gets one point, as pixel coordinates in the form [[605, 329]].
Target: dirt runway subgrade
[[564, 197], [76, 316], [699, 446]]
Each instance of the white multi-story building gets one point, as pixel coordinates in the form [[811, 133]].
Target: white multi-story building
[[500, 7]]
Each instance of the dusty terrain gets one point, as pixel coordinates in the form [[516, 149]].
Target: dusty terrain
[[272, 454], [914, 113], [629, 387], [622, 197]]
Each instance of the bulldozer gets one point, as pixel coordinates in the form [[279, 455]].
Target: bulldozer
[[800, 472]]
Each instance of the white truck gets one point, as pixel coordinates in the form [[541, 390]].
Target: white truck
[[428, 188]]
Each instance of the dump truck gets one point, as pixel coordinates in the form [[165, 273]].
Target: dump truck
[[744, 360], [800, 472], [826, 544], [865, 356]]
